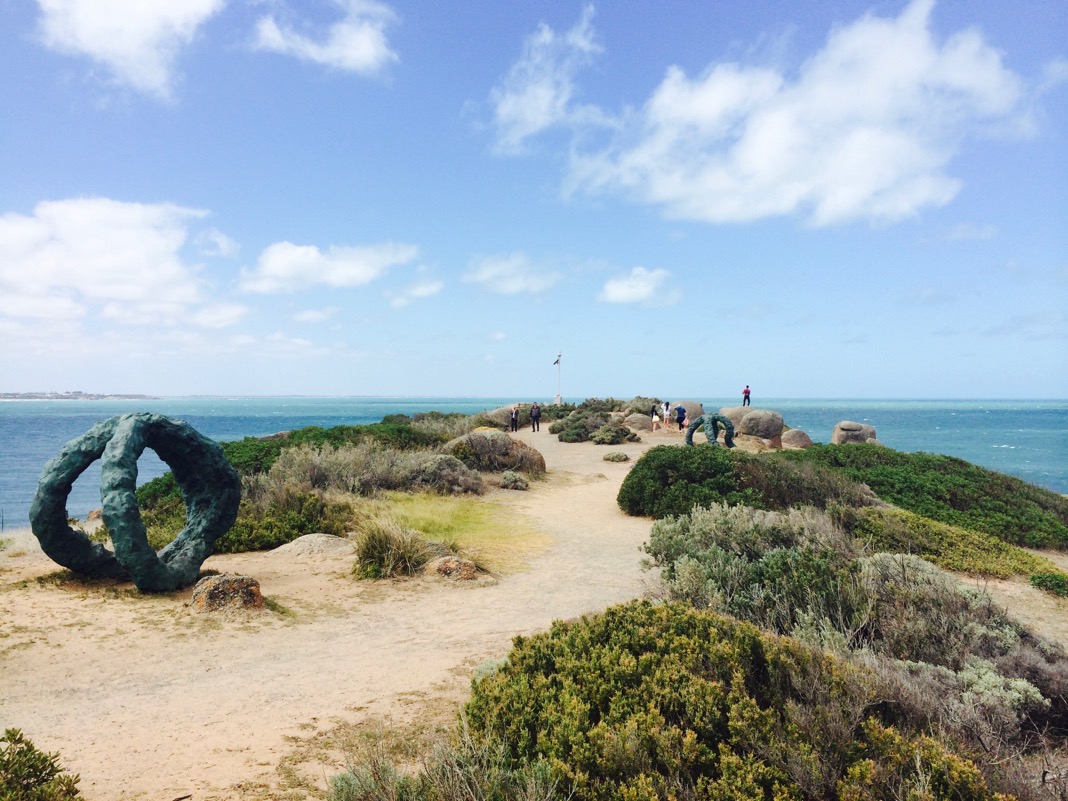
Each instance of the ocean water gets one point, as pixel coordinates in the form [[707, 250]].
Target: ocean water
[[1028, 439]]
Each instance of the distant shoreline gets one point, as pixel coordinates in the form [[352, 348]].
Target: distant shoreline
[[46, 396]]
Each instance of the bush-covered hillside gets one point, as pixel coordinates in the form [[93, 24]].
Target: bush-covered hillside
[[950, 490]]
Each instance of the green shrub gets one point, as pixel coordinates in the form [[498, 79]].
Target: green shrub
[[672, 479], [495, 451], [951, 491], [27, 774], [1053, 582], [579, 425], [613, 434], [950, 547], [662, 701], [253, 454], [264, 523], [615, 456], [513, 481]]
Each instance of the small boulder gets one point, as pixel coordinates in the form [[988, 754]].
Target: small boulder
[[452, 567], [226, 591], [762, 423], [847, 431], [735, 414], [795, 439], [639, 422]]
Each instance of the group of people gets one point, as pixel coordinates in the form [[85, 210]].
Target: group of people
[[661, 413], [535, 417]]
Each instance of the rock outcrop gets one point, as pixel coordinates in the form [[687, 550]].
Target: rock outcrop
[[227, 591], [795, 439], [847, 431], [639, 422]]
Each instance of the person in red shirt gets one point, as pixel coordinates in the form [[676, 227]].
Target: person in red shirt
[[745, 396]]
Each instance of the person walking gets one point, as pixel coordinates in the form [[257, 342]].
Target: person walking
[[680, 416], [654, 415], [745, 396], [515, 418], [535, 416]]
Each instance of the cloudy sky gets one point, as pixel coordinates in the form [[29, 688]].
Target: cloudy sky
[[344, 197]]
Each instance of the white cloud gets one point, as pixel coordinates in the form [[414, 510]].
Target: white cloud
[[865, 130], [539, 90], [421, 289], [284, 266], [971, 231], [356, 43], [214, 242], [120, 260], [498, 336], [510, 274], [316, 315], [640, 286], [137, 41], [219, 315]]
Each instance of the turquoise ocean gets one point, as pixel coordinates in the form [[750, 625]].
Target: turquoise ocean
[[1027, 439]]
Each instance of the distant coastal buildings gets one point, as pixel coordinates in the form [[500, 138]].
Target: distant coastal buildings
[[71, 396]]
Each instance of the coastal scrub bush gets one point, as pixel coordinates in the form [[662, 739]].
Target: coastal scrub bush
[[27, 774], [663, 701], [613, 434], [1055, 582], [951, 491], [495, 451], [273, 515], [579, 425], [253, 454], [672, 479], [615, 456], [513, 481], [950, 547]]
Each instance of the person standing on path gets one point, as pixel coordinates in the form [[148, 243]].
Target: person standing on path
[[515, 418], [654, 416], [535, 416], [680, 416], [745, 396]]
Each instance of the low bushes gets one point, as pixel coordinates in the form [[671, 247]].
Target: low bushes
[[951, 547], [673, 479], [27, 774], [661, 701], [944, 654], [951, 491]]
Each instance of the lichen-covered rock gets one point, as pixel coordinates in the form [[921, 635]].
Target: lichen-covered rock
[[227, 591], [639, 422], [795, 439], [762, 423], [452, 567], [847, 431], [495, 451]]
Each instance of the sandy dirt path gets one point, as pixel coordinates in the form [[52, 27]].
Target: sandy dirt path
[[147, 700]]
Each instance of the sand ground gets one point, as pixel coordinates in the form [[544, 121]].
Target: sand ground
[[146, 699]]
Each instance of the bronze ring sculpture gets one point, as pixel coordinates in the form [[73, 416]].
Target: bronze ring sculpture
[[712, 423], [210, 486]]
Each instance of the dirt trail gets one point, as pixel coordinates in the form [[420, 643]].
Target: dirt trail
[[146, 700]]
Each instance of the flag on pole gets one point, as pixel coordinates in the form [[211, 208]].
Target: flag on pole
[[557, 358]]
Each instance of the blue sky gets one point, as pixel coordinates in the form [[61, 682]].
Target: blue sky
[[836, 199]]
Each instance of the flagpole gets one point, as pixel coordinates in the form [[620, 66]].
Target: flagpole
[[559, 398]]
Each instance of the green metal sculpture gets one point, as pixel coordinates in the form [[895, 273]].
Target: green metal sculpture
[[210, 486], [712, 422]]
